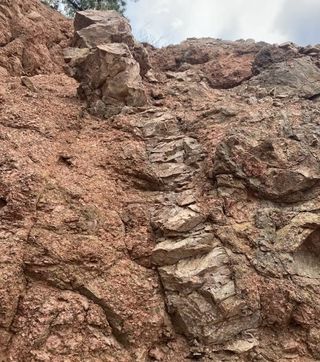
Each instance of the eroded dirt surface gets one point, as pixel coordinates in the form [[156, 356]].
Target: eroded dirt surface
[[183, 229]]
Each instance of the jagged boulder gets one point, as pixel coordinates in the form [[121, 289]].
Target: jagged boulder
[[107, 62], [110, 78], [271, 54], [202, 298], [93, 28], [299, 77]]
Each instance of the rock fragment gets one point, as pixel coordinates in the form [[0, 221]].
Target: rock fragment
[[176, 220], [27, 82], [170, 251]]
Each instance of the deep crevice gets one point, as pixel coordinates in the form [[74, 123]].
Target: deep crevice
[[3, 202]]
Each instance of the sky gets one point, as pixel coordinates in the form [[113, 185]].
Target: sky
[[163, 22]]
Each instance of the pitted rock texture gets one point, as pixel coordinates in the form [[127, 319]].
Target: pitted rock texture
[[32, 37], [182, 228]]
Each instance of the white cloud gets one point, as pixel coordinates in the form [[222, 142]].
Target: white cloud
[[171, 21]]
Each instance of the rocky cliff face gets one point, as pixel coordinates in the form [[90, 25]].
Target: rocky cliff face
[[32, 37], [164, 208]]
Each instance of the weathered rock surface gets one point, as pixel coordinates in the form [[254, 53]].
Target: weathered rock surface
[[300, 77], [185, 229], [277, 168], [32, 37], [103, 61], [222, 64], [110, 74], [93, 28]]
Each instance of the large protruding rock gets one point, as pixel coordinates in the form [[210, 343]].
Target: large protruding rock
[[272, 54], [274, 167], [93, 28], [107, 62], [110, 78], [202, 297], [292, 77]]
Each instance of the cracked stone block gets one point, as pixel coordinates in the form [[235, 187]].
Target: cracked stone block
[[171, 251], [168, 152], [196, 317], [218, 285], [186, 198], [171, 220], [191, 272], [161, 126], [170, 170]]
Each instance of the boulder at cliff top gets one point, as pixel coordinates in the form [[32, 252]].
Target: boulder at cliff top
[[93, 28], [107, 62]]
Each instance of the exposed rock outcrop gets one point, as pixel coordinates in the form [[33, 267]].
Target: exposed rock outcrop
[[222, 64], [278, 168], [108, 62], [183, 226], [293, 77]]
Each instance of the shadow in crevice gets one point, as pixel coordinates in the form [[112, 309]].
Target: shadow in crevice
[[307, 257], [3, 202]]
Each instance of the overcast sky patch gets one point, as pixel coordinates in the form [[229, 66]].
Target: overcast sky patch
[[163, 22]]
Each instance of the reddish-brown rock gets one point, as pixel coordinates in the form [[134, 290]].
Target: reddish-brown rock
[[186, 228], [32, 37]]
